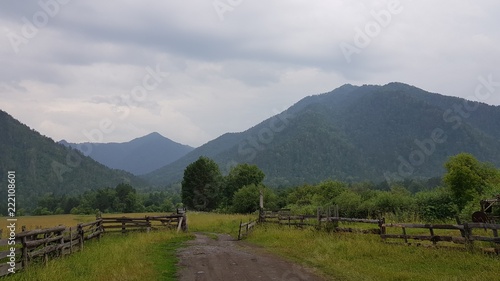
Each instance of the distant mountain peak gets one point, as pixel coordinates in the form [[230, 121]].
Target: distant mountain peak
[[140, 155]]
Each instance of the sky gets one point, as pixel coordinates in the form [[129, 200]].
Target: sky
[[112, 71]]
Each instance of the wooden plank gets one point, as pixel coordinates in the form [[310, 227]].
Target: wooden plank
[[436, 238], [4, 254], [4, 268], [89, 223], [93, 235], [351, 220], [435, 226], [36, 243], [180, 225], [484, 225], [43, 251], [40, 231], [484, 238], [126, 226]]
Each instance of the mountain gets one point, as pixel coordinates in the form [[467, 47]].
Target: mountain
[[356, 133], [43, 166], [139, 156]]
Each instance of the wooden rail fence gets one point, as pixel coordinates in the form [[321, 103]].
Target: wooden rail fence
[[465, 233], [246, 228], [40, 245], [319, 220], [486, 234]]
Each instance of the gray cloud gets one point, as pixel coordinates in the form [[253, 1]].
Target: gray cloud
[[226, 75]]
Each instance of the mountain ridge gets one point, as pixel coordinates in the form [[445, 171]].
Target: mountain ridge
[[354, 133], [43, 166], [138, 156]]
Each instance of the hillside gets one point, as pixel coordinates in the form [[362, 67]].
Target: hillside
[[43, 166], [356, 133], [139, 156]]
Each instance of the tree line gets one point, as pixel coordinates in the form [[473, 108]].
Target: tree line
[[124, 198], [457, 193]]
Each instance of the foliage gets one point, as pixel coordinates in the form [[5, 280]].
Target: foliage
[[436, 205], [201, 185], [121, 199], [468, 179], [246, 199], [239, 176]]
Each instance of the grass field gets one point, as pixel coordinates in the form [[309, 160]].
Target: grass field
[[337, 256], [348, 256], [134, 256]]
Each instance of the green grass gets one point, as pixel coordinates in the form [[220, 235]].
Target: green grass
[[135, 256], [348, 256], [165, 259], [216, 223]]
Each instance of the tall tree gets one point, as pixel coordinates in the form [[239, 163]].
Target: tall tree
[[467, 178], [201, 185], [239, 176]]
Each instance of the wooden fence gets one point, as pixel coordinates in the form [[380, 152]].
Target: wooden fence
[[485, 234], [246, 228], [465, 233], [320, 220], [40, 245]]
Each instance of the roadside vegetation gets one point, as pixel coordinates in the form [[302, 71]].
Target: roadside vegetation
[[348, 256], [133, 256]]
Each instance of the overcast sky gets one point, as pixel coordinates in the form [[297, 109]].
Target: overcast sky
[[192, 70]]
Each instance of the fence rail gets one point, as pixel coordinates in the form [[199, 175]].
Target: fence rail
[[464, 234], [246, 228], [43, 244]]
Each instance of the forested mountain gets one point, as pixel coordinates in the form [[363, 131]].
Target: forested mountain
[[43, 166], [356, 133], [139, 156]]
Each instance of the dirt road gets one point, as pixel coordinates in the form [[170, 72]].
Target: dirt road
[[223, 259]]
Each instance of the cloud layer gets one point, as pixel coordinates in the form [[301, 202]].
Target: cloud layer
[[194, 70]]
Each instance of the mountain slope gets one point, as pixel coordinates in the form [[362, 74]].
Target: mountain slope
[[139, 156], [43, 166], [356, 133]]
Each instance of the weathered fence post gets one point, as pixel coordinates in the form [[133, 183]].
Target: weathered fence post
[[404, 235], [81, 236], [467, 233], [61, 242], [71, 240], [239, 230], [319, 217], [25, 252]]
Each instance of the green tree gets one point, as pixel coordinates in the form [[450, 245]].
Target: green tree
[[127, 201], [240, 176], [201, 185], [247, 199], [467, 178]]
